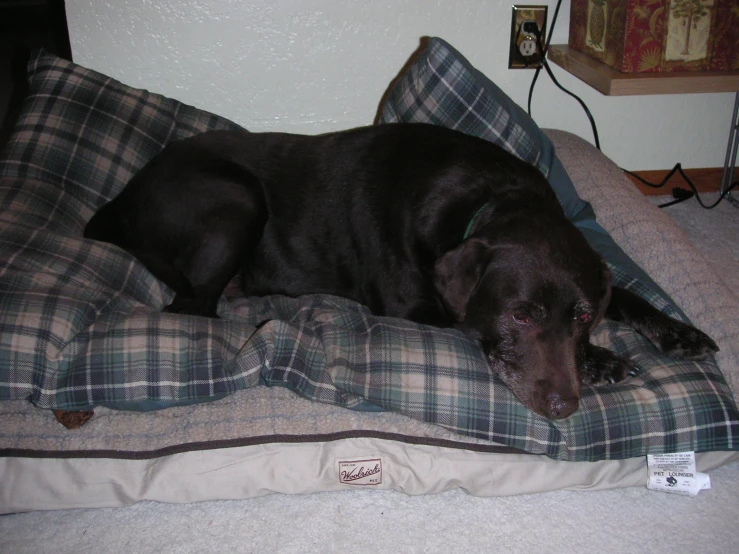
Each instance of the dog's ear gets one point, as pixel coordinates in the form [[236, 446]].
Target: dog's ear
[[457, 273]]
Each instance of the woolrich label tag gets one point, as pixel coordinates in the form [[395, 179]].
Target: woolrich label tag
[[360, 472]]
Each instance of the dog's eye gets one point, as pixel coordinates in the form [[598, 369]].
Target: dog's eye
[[584, 317], [521, 318]]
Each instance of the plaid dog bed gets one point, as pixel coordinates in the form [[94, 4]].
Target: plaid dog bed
[[82, 325]]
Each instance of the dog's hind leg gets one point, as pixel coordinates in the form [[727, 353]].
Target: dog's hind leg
[[211, 264], [164, 271]]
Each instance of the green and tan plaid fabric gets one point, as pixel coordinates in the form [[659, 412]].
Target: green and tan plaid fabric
[[81, 322]]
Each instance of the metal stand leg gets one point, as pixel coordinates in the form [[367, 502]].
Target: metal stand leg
[[731, 150]]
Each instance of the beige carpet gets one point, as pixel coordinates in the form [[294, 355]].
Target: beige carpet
[[714, 232]]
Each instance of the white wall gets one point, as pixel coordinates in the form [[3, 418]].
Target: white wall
[[310, 66]]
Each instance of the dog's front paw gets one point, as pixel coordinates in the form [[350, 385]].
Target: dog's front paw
[[600, 366], [679, 340], [668, 335]]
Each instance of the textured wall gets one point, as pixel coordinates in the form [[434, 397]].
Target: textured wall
[[310, 66]]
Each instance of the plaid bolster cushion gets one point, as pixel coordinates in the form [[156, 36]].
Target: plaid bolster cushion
[[444, 89], [81, 322]]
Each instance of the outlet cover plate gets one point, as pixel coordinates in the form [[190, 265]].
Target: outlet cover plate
[[520, 33]]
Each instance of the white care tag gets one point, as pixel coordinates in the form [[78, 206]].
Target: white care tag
[[676, 473]]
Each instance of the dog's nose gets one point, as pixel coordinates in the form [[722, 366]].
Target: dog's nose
[[559, 407]]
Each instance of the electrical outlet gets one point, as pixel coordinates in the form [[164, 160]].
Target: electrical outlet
[[528, 25]]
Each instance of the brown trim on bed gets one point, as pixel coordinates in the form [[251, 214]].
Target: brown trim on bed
[[706, 179], [253, 441]]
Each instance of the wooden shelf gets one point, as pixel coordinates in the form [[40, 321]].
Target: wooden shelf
[[614, 83]]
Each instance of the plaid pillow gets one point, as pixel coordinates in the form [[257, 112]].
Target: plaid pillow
[[81, 322], [109, 130], [443, 88]]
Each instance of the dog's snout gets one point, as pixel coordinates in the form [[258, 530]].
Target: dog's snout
[[559, 407]]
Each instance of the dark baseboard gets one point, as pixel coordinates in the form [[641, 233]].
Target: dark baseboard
[[705, 180]]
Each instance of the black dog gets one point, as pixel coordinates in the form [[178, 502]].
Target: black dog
[[415, 221]]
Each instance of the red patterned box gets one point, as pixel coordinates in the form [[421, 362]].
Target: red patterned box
[[637, 36]]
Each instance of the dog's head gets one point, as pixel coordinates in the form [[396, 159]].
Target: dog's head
[[530, 293]]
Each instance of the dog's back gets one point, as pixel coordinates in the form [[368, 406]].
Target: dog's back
[[366, 213]]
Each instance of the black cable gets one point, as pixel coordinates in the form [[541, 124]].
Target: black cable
[[681, 195], [543, 51], [584, 106], [543, 63]]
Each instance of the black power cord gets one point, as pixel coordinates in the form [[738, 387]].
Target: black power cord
[[545, 64], [679, 194]]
